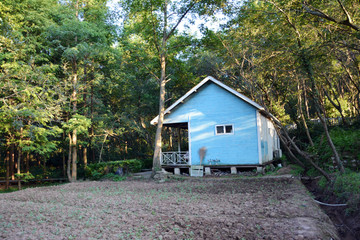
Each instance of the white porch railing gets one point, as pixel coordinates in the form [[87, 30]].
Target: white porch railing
[[174, 158]]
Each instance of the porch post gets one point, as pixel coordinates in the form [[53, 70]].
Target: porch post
[[179, 139]]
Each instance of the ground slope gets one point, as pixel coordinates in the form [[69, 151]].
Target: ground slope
[[253, 208]]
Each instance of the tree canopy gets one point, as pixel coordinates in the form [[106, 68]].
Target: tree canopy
[[76, 87]]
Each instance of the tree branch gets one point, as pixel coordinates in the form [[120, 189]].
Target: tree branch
[[179, 21], [316, 12]]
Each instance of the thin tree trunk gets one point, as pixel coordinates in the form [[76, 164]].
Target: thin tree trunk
[[7, 160], [303, 154], [303, 118], [92, 123], [64, 163], [85, 157], [18, 168], [27, 162], [331, 144], [74, 156], [69, 159], [12, 161], [102, 147]]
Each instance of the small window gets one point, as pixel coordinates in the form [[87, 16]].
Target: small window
[[224, 129]]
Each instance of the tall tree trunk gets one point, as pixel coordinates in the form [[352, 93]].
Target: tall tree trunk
[[64, 163], [12, 161], [331, 144], [74, 110], [18, 167], [74, 132], [19, 159], [157, 151], [102, 147], [69, 159], [7, 160], [285, 139], [85, 157], [303, 117], [92, 124], [74, 156], [27, 162]]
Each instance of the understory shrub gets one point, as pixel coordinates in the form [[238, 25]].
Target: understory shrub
[[347, 142], [97, 171], [346, 187]]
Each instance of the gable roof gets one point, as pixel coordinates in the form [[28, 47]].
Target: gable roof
[[199, 85]]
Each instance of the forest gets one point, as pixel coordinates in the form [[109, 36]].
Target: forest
[[80, 80]]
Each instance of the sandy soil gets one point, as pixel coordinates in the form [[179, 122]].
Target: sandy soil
[[251, 208]]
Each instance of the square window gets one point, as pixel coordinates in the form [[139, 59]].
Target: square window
[[219, 129], [228, 128]]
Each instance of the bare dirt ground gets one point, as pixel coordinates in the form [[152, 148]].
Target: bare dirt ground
[[251, 208]]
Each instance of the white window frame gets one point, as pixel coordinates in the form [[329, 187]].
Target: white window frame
[[224, 128]]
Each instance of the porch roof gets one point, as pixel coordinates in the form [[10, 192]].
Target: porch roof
[[182, 125]]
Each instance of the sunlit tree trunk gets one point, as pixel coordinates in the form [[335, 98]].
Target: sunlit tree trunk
[[85, 156], [303, 117], [18, 168], [157, 151], [69, 159], [12, 161]]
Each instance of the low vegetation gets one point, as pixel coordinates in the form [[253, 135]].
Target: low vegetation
[[96, 171]]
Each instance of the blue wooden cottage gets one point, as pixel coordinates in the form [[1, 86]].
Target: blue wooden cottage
[[229, 129]]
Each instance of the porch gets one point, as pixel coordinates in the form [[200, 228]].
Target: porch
[[175, 145], [175, 158]]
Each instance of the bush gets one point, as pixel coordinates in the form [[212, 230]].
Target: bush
[[147, 163], [113, 177], [97, 171], [345, 187], [347, 142]]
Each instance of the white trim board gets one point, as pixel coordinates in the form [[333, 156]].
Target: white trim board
[[199, 85]]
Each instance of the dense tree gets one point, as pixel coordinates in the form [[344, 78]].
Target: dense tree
[[71, 84]]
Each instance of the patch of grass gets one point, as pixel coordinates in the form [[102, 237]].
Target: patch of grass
[[114, 177], [9, 190], [296, 170], [23, 187], [346, 187]]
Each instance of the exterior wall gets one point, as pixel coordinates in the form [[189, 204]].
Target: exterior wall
[[269, 140], [211, 106]]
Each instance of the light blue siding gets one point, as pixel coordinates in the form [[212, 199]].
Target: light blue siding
[[213, 105]]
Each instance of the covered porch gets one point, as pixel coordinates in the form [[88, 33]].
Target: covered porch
[[175, 147]]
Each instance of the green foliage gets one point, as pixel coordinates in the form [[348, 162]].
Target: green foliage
[[113, 177], [296, 170], [346, 141], [346, 188], [347, 185], [98, 170], [78, 122], [147, 163], [24, 176]]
